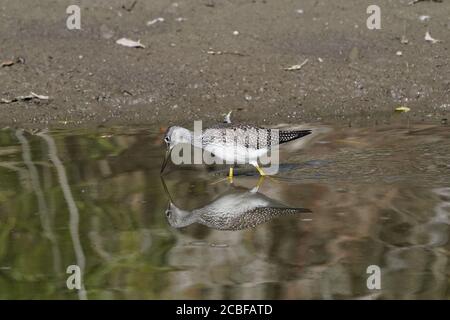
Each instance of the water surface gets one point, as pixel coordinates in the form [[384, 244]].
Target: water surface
[[95, 199]]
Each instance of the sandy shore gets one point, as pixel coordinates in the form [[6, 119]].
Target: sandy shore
[[204, 58]]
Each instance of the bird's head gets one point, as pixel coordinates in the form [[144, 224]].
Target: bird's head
[[173, 136], [176, 135], [179, 218]]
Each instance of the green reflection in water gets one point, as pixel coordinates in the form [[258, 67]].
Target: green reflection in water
[[95, 199]]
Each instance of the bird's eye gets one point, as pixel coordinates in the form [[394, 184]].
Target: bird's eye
[[166, 139], [168, 213]]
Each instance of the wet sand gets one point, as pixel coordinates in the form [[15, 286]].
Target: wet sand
[[353, 75]]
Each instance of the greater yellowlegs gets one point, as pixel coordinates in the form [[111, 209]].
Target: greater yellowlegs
[[232, 143]]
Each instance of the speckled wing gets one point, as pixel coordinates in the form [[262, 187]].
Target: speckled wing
[[249, 136]]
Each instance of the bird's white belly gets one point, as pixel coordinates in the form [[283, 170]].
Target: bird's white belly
[[239, 154]]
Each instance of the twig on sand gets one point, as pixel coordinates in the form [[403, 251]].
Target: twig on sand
[[218, 53], [31, 96], [9, 63], [130, 7], [130, 43], [417, 1], [296, 67], [429, 38]]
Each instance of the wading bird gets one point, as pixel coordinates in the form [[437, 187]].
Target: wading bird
[[231, 143]]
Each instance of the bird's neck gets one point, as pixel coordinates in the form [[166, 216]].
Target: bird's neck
[[196, 140]]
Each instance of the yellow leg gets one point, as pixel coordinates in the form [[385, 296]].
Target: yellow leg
[[261, 172], [229, 177], [230, 174], [258, 185], [260, 181]]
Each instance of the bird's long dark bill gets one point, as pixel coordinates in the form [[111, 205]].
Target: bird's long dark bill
[[165, 188], [166, 159], [167, 191]]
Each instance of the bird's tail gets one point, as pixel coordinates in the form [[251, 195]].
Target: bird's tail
[[286, 136]]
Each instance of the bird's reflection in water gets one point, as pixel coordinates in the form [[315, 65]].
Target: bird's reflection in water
[[236, 209]]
